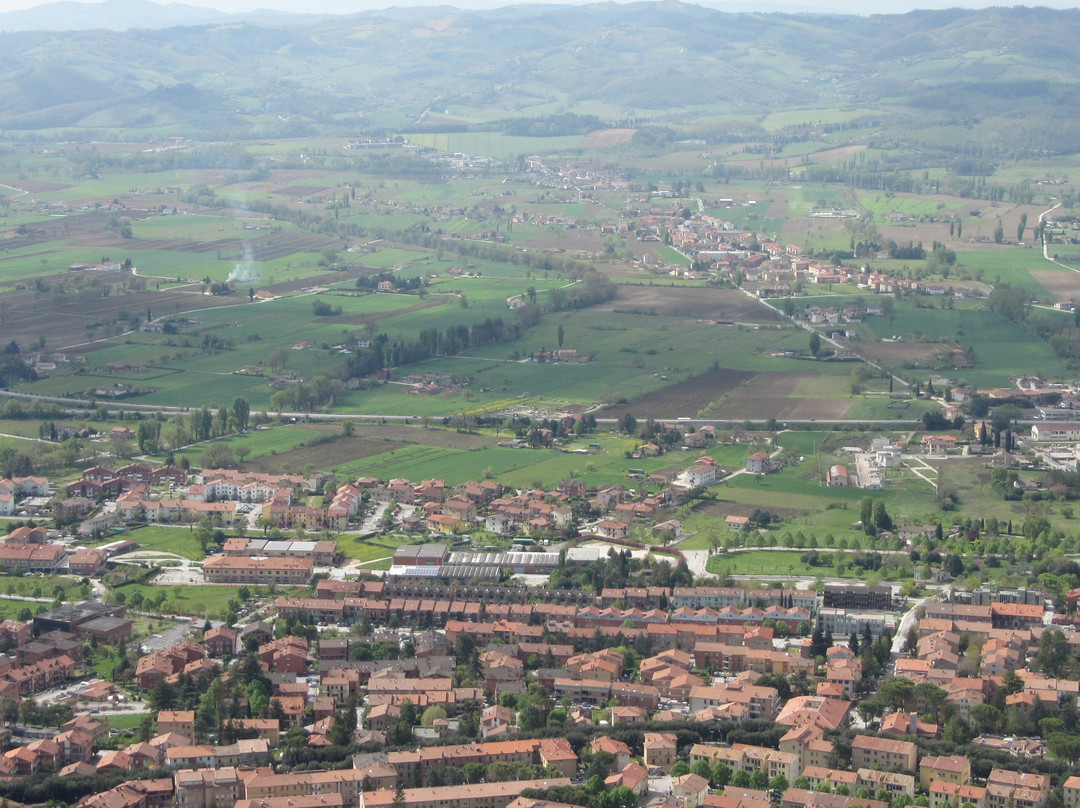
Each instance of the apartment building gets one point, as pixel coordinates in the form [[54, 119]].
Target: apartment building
[[241, 570], [954, 769], [868, 751]]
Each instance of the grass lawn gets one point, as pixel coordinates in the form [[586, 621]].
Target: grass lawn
[[208, 600], [777, 562], [10, 609], [369, 550], [170, 539], [126, 721], [32, 586], [105, 665]]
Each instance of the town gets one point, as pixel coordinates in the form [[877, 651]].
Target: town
[[580, 667]]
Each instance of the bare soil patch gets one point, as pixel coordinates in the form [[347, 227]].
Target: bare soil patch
[[1061, 283], [606, 137], [66, 227], [770, 395], [35, 186], [64, 318], [684, 399], [682, 301], [340, 450]]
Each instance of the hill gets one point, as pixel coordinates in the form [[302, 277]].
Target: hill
[[1005, 76]]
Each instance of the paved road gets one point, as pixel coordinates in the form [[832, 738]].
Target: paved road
[[114, 407]]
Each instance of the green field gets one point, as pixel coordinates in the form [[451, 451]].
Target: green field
[[881, 205], [1001, 348]]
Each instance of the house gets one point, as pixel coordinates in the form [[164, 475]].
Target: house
[[613, 530], [733, 522], [182, 722], [619, 751], [837, 476], [219, 641], [660, 750], [704, 472], [634, 776], [691, 788], [759, 463]]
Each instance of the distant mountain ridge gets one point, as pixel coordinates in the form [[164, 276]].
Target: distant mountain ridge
[[1004, 77], [110, 15], [125, 15]]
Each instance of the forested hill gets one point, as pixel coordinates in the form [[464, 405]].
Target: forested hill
[[1008, 74]]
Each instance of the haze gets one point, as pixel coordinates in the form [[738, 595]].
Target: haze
[[795, 6]]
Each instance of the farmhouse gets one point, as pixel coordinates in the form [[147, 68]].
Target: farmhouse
[[759, 463], [837, 476]]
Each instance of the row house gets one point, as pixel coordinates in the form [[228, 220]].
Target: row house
[[162, 664], [204, 788], [808, 744], [280, 571], [44, 558], [39, 676]]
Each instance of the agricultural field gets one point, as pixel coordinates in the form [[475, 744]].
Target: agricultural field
[[304, 232], [906, 205], [1002, 350], [782, 396]]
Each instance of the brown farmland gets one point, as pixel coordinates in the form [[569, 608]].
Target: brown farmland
[[606, 137], [368, 440], [772, 395], [697, 302], [1063, 284], [684, 399]]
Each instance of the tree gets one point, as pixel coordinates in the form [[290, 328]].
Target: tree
[[1053, 654], [1063, 746], [815, 343], [399, 796], [896, 692], [529, 718], [560, 334], [721, 775], [701, 769], [1011, 683], [241, 411], [628, 424], [999, 233], [432, 714], [881, 518], [866, 511], [987, 717]]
